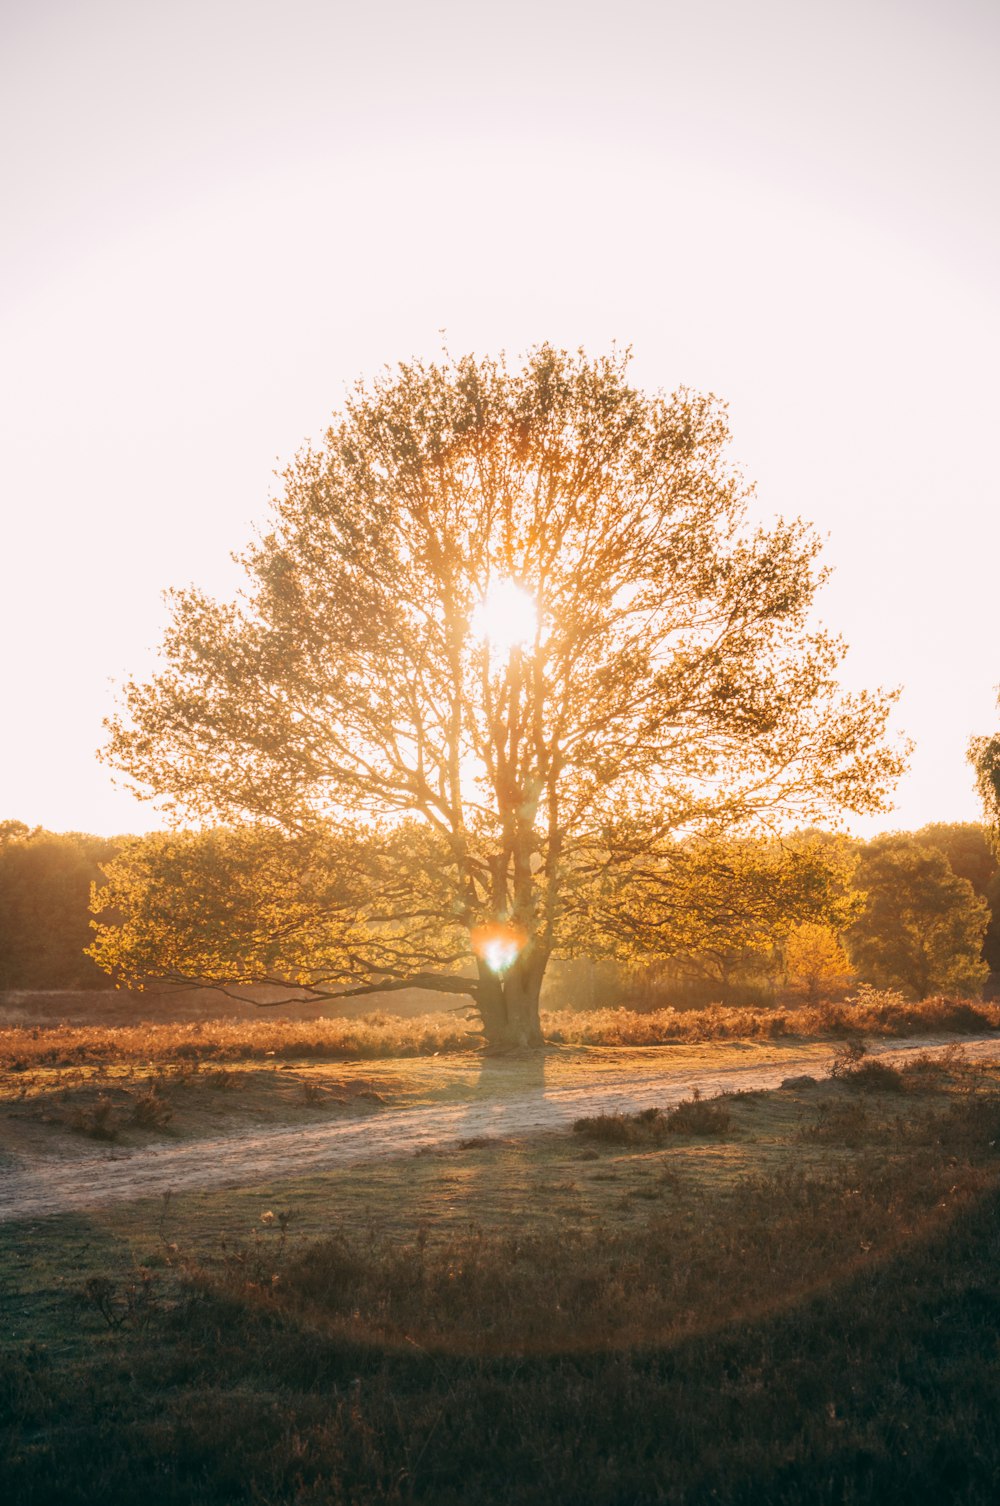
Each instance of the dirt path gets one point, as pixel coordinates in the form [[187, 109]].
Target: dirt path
[[37, 1186]]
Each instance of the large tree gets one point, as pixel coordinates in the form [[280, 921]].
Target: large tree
[[525, 613], [967, 846]]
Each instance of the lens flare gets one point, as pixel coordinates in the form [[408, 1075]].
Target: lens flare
[[499, 946], [506, 618], [499, 955]]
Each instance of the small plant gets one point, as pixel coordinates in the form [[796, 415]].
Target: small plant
[[224, 1080], [878, 999], [624, 1129], [256, 1264], [99, 1121], [877, 1077], [130, 1305], [926, 1071], [281, 1220], [848, 1058], [853, 1065], [696, 1117], [150, 1110]]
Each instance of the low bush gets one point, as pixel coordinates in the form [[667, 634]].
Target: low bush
[[97, 1120], [150, 1110], [698, 1116], [873, 1076], [853, 1066], [693, 1116], [648, 1127]]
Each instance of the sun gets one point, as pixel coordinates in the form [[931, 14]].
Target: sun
[[506, 618], [499, 945]]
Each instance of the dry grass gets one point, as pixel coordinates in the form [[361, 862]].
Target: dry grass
[[131, 1105], [878, 1015], [378, 1036], [222, 1040]]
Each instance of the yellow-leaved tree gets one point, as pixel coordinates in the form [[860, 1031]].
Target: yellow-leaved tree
[[815, 961], [512, 654]]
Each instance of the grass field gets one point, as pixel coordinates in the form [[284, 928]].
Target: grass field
[[783, 1297], [90, 1040]]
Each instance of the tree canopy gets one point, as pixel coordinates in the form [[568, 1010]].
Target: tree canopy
[[45, 881], [227, 905], [971, 850], [921, 927], [815, 959], [967, 846], [984, 755], [523, 617]]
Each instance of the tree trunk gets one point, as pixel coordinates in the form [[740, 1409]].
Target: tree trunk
[[508, 1005]]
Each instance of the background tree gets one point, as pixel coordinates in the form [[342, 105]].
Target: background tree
[[45, 881], [713, 921], [920, 927], [972, 855], [527, 610], [984, 755], [815, 960], [967, 846]]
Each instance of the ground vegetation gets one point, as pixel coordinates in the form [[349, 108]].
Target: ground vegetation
[[794, 1302]]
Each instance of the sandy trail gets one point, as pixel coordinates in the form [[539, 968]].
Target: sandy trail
[[37, 1186]]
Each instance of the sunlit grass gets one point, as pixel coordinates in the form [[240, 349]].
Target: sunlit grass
[[382, 1036]]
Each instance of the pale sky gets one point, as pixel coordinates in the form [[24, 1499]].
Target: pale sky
[[217, 216]]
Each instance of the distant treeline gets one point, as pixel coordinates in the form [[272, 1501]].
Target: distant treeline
[[922, 915], [45, 880]]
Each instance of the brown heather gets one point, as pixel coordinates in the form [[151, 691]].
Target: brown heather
[[380, 1036]]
